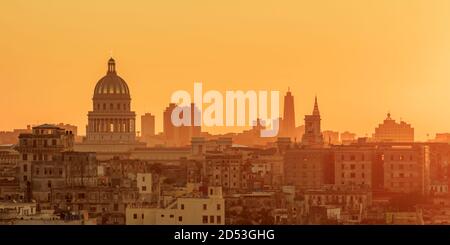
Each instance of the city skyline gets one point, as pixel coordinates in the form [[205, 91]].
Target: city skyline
[[350, 59], [224, 113]]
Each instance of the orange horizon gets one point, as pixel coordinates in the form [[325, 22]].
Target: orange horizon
[[362, 59]]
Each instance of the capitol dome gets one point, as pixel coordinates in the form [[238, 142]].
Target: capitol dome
[[111, 85]]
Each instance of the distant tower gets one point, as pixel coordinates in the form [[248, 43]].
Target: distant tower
[[313, 135], [288, 127], [147, 125]]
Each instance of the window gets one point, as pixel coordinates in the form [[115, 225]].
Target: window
[[142, 216], [182, 206], [25, 167], [210, 191], [352, 157], [143, 178], [53, 142], [205, 219], [352, 175], [219, 219], [134, 216], [25, 157], [218, 206], [171, 216], [211, 219], [144, 188], [180, 218], [49, 184], [352, 166], [116, 208], [37, 171], [205, 206]]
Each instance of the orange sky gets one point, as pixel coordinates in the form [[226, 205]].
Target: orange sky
[[362, 58]]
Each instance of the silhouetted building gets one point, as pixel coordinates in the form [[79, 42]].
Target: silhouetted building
[[147, 125], [111, 123], [391, 131], [288, 123], [313, 136], [330, 137]]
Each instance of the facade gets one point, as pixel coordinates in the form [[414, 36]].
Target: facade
[[41, 146], [308, 168], [406, 168], [227, 171], [354, 165], [201, 210], [391, 131]]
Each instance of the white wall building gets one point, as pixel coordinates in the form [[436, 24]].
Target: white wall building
[[208, 210]]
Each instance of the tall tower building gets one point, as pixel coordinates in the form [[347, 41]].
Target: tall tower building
[[313, 135], [147, 125], [288, 123], [168, 127]]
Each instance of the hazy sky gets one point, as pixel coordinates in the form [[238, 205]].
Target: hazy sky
[[361, 58]]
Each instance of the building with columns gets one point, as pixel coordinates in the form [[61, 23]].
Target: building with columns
[[111, 123]]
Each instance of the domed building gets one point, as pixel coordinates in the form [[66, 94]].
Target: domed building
[[111, 123]]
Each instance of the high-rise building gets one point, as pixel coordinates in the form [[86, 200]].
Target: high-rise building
[[313, 135], [168, 127], [180, 135], [147, 125], [391, 131], [288, 122]]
